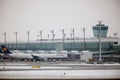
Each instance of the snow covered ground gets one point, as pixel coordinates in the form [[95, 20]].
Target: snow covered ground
[[88, 64], [58, 71], [13, 63], [61, 74], [31, 67]]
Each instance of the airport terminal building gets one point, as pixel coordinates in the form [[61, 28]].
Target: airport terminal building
[[73, 44], [92, 44], [70, 44]]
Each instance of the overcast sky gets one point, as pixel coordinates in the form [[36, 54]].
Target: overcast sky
[[36, 15]]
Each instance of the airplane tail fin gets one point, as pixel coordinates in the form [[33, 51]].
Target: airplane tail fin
[[5, 50], [0, 51]]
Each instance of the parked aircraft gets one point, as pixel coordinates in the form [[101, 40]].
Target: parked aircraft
[[40, 56], [17, 55], [50, 56]]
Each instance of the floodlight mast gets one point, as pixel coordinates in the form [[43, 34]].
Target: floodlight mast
[[16, 38], [48, 36], [71, 36], [73, 33], [4, 38], [53, 37], [40, 38], [100, 59], [28, 36], [84, 38], [63, 31], [71, 39], [28, 33]]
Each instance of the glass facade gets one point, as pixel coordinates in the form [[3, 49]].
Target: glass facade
[[96, 30], [69, 46]]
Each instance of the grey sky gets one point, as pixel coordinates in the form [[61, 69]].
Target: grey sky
[[36, 15]]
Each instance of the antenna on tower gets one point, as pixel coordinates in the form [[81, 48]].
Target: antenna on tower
[[99, 22]]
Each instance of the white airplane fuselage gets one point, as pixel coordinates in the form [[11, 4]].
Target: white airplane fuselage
[[21, 55], [53, 55]]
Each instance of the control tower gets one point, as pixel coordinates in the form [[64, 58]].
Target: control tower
[[96, 30]]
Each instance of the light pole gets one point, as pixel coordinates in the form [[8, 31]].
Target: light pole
[[84, 38], [53, 36], [40, 38], [73, 33], [71, 39], [71, 36], [48, 36], [28, 33], [16, 38], [4, 38], [100, 41], [63, 38]]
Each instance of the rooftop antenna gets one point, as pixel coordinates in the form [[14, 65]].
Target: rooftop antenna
[[100, 22]]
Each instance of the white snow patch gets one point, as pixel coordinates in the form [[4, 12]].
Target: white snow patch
[[30, 67], [61, 74]]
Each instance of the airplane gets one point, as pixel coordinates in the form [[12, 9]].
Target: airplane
[[45, 56], [49, 56], [17, 55], [40, 56]]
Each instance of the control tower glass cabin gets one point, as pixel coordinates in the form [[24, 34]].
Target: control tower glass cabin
[[96, 30]]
